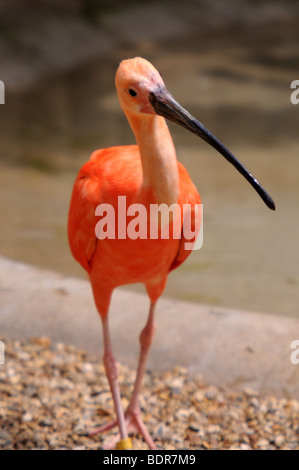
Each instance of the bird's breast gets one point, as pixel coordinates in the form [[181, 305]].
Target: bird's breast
[[138, 241]]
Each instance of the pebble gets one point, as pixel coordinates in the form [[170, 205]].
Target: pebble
[[176, 386], [199, 395], [213, 428], [210, 394], [262, 442], [279, 440], [52, 395], [27, 417], [163, 432]]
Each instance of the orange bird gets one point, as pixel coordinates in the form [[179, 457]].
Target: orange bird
[[146, 174]]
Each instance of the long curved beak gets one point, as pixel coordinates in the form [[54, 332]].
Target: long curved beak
[[165, 105]]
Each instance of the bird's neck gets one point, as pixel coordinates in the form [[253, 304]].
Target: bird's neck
[[158, 158]]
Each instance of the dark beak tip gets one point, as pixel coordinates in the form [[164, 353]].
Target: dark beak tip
[[266, 198]]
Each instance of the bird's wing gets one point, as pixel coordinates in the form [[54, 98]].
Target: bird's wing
[[109, 172], [81, 230], [192, 219], [86, 197]]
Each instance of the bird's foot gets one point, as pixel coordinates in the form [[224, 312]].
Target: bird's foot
[[134, 424]]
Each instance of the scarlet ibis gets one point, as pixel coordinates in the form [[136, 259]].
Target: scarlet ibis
[[146, 173]]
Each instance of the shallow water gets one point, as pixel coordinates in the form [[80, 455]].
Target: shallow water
[[240, 89]]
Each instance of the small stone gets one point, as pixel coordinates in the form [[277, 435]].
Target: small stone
[[263, 442], [27, 417], [42, 341], [164, 433], [244, 446], [206, 445], [199, 396], [46, 422], [279, 440], [210, 394], [87, 367], [194, 428], [294, 404], [184, 413], [232, 437], [213, 429], [176, 386], [254, 402]]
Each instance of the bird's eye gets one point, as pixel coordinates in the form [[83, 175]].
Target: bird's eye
[[132, 92]]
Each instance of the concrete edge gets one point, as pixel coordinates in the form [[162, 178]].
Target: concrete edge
[[229, 348]]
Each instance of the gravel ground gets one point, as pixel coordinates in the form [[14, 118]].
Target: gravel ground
[[51, 395]]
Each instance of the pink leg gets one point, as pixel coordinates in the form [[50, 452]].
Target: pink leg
[[145, 338], [111, 372], [133, 410], [133, 414]]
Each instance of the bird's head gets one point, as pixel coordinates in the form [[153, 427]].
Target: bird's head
[[141, 90], [135, 80]]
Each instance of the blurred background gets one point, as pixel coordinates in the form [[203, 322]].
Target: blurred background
[[229, 63]]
